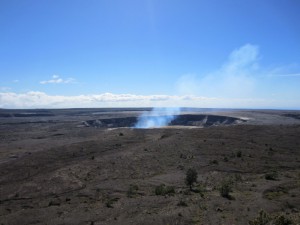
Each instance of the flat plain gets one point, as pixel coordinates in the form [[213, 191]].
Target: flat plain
[[89, 166]]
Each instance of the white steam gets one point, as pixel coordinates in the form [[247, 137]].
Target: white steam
[[236, 78], [158, 117]]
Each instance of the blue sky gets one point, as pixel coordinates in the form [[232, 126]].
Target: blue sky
[[225, 53]]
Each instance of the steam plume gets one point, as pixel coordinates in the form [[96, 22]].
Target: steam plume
[[158, 117]]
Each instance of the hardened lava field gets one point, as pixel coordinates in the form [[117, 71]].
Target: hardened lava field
[[70, 167]]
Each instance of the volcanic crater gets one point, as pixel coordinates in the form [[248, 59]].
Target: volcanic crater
[[179, 120]]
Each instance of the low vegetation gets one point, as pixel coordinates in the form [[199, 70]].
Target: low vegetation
[[273, 175], [182, 203], [110, 201], [226, 188], [283, 220], [132, 191], [191, 177], [164, 190], [239, 154], [264, 218], [199, 189]]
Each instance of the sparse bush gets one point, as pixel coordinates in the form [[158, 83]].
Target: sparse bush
[[239, 154], [182, 203], [238, 177], [225, 159], [282, 220], [262, 219], [214, 162], [273, 175], [199, 189], [274, 193], [191, 177], [110, 201], [159, 190], [225, 189], [133, 188], [169, 190], [109, 204], [164, 190]]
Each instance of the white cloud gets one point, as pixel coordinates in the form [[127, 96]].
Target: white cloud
[[36, 99], [15, 81], [234, 79], [57, 80], [289, 70]]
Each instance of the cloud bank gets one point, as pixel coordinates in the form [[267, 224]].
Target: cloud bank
[[36, 99]]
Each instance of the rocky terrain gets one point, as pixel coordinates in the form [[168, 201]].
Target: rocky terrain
[[90, 166]]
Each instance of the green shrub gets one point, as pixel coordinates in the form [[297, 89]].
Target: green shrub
[[191, 177], [164, 190], [239, 154], [133, 188], [225, 189], [169, 190], [238, 177], [110, 201], [199, 189], [262, 219], [182, 203], [273, 175], [214, 162], [282, 220], [159, 190]]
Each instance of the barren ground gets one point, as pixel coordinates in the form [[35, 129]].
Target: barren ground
[[56, 170]]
